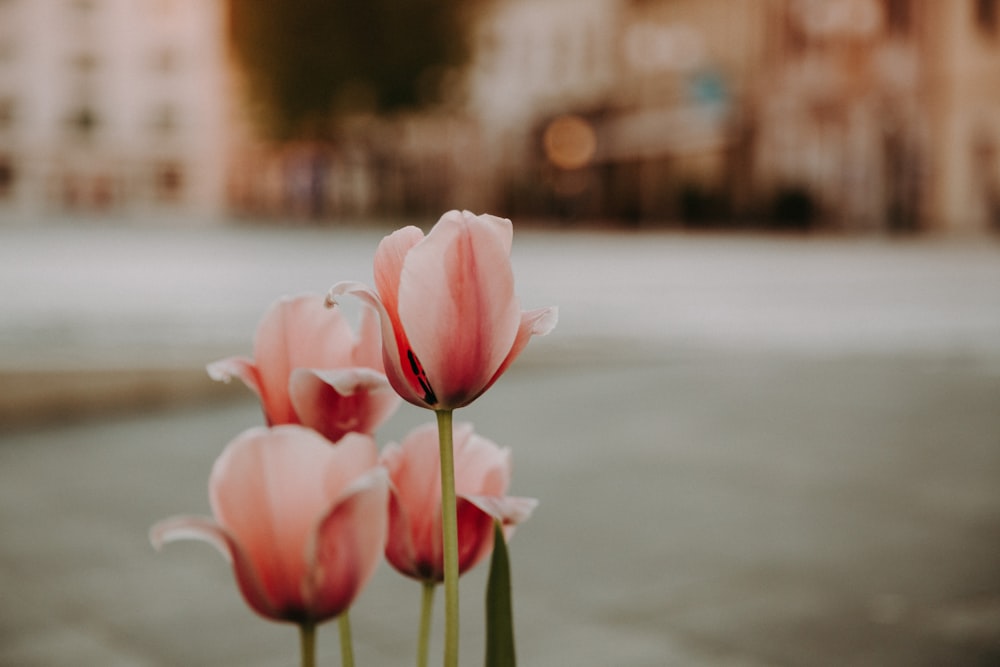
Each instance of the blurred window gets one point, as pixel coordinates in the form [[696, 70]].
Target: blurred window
[[897, 13], [83, 121], [80, 16], [164, 119], [8, 50], [168, 181], [85, 61], [988, 16], [8, 112], [164, 60], [7, 175]]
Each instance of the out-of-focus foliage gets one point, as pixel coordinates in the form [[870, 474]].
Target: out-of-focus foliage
[[308, 59]]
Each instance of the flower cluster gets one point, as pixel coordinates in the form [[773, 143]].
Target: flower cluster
[[306, 506]]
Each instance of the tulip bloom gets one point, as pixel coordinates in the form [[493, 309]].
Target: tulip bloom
[[302, 523], [482, 475], [309, 368], [451, 323]]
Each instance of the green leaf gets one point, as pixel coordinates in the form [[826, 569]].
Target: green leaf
[[499, 609]]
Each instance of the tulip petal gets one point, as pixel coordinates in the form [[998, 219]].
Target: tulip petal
[[457, 302], [225, 370], [476, 515], [415, 469], [367, 352], [482, 472], [481, 466], [540, 321], [345, 381], [400, 548], [503, 226], [336, 402], [390, 256], [537, 322], [283, 497], [395, 367], [347, 546], [475, 534], [191, 528], [266, 490], [207, 530], [354, 455], [298, 332], [509, 510]]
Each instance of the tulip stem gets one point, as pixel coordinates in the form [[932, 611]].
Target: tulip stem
[[449, 530], [346, 644], [426, 610], [307, 643]]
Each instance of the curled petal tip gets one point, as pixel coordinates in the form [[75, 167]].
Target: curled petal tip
[[524, 508], [190, 528], [330, 300], [217, 371], [546, 321], [343, 287], [509, 510], [540, 321], [156, 538], [244, 369]]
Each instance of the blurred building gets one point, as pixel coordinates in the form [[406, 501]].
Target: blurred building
[[846, 114], [885, 113], [959, 47], [407, 164], [849, 115], [112, 106]]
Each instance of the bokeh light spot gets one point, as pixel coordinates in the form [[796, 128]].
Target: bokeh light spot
[[570, 142]]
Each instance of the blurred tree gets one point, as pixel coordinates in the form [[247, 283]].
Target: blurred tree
[[308, 59]]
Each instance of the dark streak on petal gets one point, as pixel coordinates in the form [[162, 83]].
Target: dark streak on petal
[[418, 371]]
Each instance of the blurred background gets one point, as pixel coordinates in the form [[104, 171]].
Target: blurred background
[[845, 115], [765, 432]]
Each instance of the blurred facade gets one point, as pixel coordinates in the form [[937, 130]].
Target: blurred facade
[[888, 112], [845, 114], [415, 164], [849, 115], [112, 106]]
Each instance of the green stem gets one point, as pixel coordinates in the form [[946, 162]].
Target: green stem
[[449, 530], [307, 643], [426, 611], [346, 644]]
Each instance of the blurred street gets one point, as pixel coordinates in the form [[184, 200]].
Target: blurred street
[[749, 450]]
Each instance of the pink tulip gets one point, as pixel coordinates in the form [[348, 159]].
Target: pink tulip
[[482, 475], [309, 368], [451, 323], [302, 523]]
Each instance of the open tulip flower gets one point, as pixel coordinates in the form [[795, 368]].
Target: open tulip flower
[[302, 523], [451, 323], [482, 475], [309, 368]]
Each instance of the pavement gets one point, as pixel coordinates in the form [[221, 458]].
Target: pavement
[[749, 451]]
